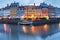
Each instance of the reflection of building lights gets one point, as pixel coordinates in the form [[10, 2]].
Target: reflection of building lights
[[6, 28], [32, 29], [59, 25], [24, 29], [0, 18], [36, 29], [45, 27]]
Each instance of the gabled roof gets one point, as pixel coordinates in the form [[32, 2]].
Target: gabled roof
[[43, 5], [14, 4], [50, 6]]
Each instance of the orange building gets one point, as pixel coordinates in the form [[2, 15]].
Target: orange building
[[14, 8], [13, 11], [44, 12]]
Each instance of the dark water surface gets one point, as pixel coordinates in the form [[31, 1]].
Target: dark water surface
[[29, 32]]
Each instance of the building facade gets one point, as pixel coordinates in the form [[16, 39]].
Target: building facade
[[20, 11], [31, 11], [51, 11], [44, 8], [5, 11], [13, 9]]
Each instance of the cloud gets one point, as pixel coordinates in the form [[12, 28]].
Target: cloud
[[27, 2], [31, 1]]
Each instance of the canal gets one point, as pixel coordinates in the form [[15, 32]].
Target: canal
[[30, 32]]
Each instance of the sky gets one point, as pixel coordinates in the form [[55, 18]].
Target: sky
[[55, 3]]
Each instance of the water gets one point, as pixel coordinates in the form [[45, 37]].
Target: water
[[29, 32]]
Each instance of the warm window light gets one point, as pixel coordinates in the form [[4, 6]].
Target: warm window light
[[47, 17], [32, 16]]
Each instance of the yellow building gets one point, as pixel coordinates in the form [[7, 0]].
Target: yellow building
[[36, 12], [30, 12], [33, 12]]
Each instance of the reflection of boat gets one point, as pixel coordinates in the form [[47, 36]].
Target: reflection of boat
[[25, 22]]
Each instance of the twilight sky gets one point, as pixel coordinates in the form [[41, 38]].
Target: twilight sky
[[56, 3]]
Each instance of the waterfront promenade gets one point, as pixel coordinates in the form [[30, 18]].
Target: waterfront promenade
[[35, 22]]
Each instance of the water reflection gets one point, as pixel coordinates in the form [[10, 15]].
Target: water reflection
[[59, 25], [35, 29], [11, 32], [24, 29], [6, 28], [42, 30], [14, 32], [46, 27], [27, 32]]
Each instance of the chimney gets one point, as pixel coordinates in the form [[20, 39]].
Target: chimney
[[7, 5], [34, 4]]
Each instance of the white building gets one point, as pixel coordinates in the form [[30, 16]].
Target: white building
[[5, 11]]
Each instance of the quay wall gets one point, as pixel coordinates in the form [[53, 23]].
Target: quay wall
[[38, 22]]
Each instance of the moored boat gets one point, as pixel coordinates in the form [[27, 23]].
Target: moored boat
[[25, 22]]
